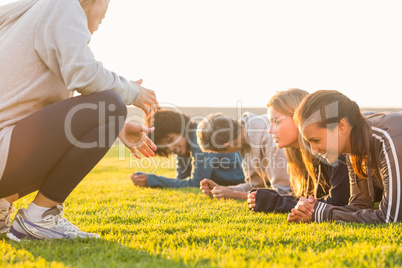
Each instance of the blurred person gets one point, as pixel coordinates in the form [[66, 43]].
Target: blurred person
[[175, 133], [264, 165]]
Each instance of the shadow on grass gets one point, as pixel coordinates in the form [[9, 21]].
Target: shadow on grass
[[80, 253]]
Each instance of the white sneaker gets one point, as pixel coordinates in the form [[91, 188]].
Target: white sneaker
[[52, 226], [5, 219]]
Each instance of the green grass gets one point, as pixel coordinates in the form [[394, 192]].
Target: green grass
[[144, 227]]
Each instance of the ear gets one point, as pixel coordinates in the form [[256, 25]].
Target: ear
[[343, 126]]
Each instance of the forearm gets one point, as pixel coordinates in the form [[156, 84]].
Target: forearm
[[164, 182], [326, 212], [268, 200], [240, 195], [244, 187]]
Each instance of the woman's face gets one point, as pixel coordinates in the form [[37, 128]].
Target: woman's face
[[329, 143], [95, 13], [175, 143], [283, 130]]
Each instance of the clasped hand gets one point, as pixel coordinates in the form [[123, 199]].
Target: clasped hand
[[303, 211]]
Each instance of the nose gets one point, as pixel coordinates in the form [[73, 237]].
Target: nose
[[314, 149], [271, 129]]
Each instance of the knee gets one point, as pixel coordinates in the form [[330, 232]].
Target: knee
[[115, 104]]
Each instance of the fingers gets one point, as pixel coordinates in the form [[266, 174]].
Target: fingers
[[306, 204], [298, 213], [149, 142], [205, 190], [216, 193], [152, 97], [145, 151], [211, 183], [139, 179], [139, 82], [147, 129], [136, 155], [301, 208], [292, 218], [251, 200]]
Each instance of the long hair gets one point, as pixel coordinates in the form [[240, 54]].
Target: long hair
[[326, 108], [299, 165]]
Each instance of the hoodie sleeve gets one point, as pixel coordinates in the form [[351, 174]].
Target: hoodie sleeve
[[252, 178], [202, 168], [267, 200], [61, 41]]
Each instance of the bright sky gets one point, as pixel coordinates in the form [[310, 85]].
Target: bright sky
[[219, 52]]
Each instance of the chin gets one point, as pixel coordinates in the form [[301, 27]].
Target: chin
[[332, 159], [279, 145]]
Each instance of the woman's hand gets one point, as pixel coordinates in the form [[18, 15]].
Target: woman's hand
[[147, 100], [206, 185], [139, 179], [219, 192], [135, 138], [251, 200], [303, 211]]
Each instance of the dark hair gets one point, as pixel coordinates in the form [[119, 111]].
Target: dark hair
[[167, 122], [328, 107]]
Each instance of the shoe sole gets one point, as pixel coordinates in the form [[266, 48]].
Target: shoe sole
[[4, 230], [13, 237]]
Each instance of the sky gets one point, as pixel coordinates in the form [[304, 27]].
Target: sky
[[226, 52]]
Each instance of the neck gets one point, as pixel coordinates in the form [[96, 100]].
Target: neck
[[295, 144]]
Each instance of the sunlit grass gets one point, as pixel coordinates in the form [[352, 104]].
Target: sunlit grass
[[143, 227]]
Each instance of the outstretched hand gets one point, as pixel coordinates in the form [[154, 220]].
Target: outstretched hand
[[147, 100], [134, 138]]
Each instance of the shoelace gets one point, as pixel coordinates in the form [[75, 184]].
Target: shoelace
[[5, 214], [63, 222]]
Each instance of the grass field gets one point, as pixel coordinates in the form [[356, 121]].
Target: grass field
[[144, 227]]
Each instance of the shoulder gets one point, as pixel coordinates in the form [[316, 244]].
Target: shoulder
[[62, 10], [254, 121], [386, 125]]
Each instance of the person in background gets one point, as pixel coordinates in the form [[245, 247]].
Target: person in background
[[330, 184], [264, 165], [333, 125], [175, 133], [49, 140]]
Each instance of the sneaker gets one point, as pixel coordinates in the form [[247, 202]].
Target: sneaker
[[5, 219], [52, 226]]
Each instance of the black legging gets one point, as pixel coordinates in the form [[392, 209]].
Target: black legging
[[53, 149]]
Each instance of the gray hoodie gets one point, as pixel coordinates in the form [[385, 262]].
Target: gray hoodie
[[45, 57], [263, 163]]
